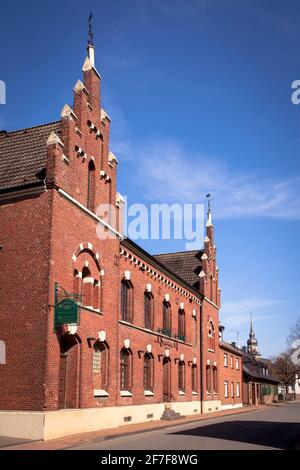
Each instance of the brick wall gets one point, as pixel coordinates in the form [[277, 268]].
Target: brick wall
[[232, 375]]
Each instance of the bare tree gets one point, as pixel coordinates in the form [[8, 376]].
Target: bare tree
[[294, 334], [284, 368]]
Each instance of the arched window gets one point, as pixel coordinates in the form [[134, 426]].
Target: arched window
[[181, 324], [166, 318], [76, 282], [148, 372], [126, 369], [100, 365], [87, 286], [208, 379], [126, 300], [96, 295], [194, 378], [181, 376], [215, 380], [148, 310], [101, 152], [91, 187], [211, 336]]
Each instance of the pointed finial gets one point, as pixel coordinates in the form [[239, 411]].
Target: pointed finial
[[208, 203], [209, 220], [91, 34]]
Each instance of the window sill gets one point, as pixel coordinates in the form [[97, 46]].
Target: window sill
[[181, 393], [101, 393], [126, 393], [211, 350], [194, 393], [91, 309], [148, 393]]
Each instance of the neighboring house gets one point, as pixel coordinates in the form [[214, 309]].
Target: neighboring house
[[292, 389], [259, 387], [231, 376]]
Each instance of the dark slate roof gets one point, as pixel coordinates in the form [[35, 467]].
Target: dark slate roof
[[254, 368], [23, 155], [126, 242], [259, 376], [185, 264]]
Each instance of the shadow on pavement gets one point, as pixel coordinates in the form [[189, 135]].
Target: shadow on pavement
[[263, 433]]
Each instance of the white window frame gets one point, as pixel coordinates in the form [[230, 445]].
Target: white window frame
[[226, 389], [238, 390], [225, 360], [237, 363]]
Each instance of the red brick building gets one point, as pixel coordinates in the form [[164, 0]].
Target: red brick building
[[148, 331], [231, 376]]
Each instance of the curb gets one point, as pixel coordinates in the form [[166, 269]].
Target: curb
[[169, 425]]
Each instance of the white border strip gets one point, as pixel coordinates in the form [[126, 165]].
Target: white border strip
[[90, 213]]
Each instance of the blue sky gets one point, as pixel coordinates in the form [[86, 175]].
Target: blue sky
[[199, 93]]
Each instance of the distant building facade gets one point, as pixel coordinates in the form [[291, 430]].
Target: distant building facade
[[259, 387]]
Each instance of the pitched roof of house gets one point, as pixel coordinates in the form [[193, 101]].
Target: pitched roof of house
[[254, 368], [231, 348], [23, 155], [185, 264], [130, 244]]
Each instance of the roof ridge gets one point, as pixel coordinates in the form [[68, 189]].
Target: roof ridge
[[177, 252], [29, 128]]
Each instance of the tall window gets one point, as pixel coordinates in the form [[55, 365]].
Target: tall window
[[215, 380], [231, 362], [148, 372], [76, 281], [166, 318], [87, 286], [100, 365], [225, 360], [232, 389], [126, 369], [211, 336], [237, 363], [238, 389], [208, 379], [91, 187], [194, 378], [148, 310], [181, 324], [126, 300], [101, 151], [181, 376], [226, 389]]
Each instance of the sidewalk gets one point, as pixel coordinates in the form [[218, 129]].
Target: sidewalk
[[76, 439]]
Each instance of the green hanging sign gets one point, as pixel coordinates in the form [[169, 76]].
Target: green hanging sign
[[66, 312], [66, 308]]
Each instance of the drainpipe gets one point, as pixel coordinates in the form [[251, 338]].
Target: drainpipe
[[201, 358]]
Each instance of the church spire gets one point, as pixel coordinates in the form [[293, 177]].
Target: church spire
[[252, 344]]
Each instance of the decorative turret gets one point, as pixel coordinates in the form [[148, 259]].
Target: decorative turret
[[252, 343]]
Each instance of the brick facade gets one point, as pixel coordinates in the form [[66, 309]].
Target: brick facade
[[50, 234], [231, 376]]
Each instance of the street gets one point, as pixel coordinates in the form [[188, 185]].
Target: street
[[277, 427]]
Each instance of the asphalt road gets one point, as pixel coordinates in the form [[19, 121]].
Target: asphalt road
[[277, 427]]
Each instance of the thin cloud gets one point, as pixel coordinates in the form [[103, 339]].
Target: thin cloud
[[237, 313], [175, 175]]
